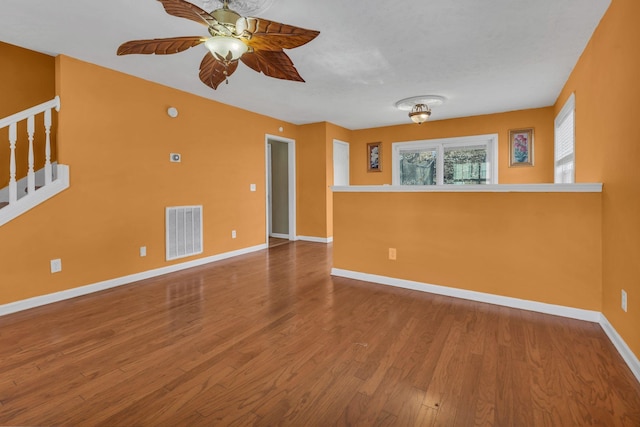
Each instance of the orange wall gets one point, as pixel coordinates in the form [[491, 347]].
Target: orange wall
[[541, 119], [344, 135], [314, 153], [535, 246], [311, 169], [607, 90], [117, 139], [27, 79]]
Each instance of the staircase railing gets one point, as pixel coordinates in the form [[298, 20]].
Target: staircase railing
[[13, 205]]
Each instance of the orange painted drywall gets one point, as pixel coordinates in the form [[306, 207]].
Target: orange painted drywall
[[607, 90], [311, 170], [344, 135], [27, 78], [314, 153], [116, 137], [541, 119], [535, 246]]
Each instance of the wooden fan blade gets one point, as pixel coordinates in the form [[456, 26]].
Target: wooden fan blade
[[184, 9], [160, 46], [272, 63], [214, 72], [268, 35]]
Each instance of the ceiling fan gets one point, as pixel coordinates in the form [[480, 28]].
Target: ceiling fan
[[257, 42]]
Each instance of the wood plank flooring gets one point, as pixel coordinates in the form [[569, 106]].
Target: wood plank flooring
[[271, 338], [275, 241]]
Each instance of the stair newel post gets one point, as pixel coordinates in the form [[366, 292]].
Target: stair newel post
[[31, 176], [47, 163], [13, 186]]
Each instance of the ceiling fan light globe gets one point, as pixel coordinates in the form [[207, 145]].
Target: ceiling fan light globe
[[226, 47]]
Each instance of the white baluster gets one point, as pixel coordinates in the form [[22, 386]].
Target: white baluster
[[31, 176], [13, 187], [47, 152]]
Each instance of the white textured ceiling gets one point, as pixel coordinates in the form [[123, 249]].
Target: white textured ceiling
[[484, 56]]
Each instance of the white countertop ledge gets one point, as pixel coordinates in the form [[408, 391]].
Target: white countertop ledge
[[489, 188]]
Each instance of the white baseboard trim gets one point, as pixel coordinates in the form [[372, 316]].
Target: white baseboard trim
[[315, 239], [621, 346], [540, 307], [26, 304]]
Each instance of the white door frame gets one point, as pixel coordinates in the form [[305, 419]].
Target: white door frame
[[269, 191], [291, 161], [343, 144]]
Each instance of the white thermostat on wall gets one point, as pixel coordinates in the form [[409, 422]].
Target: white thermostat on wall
[[175, 158]]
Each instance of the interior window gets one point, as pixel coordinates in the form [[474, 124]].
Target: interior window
[[451, 161], [564, 141]]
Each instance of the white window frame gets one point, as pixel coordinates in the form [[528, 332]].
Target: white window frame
[[489, 140], [568, 108]]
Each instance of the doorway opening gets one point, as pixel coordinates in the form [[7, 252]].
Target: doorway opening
[[340, 163], [281, 190]]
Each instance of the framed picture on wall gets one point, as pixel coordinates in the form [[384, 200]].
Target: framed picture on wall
[[521, 147], [374, 150]]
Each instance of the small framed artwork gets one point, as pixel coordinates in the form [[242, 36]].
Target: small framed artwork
[[374, 150], [521, 147]]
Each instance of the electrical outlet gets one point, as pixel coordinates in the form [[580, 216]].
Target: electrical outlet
[[143, 251], [392, 254], [56, 265], [252, 187], [233, 234], [624, 300], [175, 157]]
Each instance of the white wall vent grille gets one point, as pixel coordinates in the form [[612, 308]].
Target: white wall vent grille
[[184, 231]]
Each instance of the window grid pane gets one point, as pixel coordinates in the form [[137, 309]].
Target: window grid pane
[[564, 149], [564, 172], [418, 167], [467, 160], [564, 132], [465, 165]]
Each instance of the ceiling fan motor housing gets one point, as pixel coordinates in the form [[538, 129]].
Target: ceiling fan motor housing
[[226, 16]]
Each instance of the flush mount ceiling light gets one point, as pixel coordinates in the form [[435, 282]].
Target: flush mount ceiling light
[[420, 113], [419, 107]]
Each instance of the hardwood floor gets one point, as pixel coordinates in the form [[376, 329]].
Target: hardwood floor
[[275, 241], [271, 338]]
